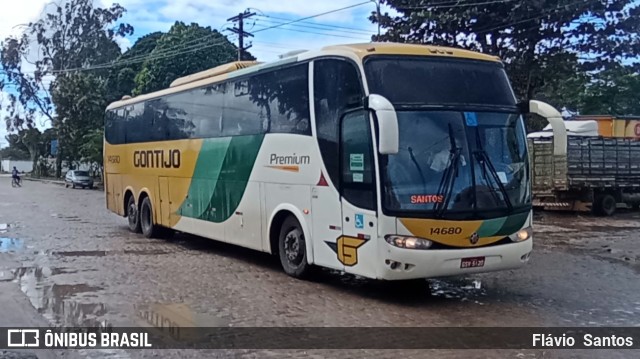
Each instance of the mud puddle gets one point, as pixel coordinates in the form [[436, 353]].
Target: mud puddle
[[70, 304], [177, 321], [466, 289], [107, 253]]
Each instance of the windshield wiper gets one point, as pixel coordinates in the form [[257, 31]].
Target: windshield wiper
[[449, 177], [485, 163], [415, 162]]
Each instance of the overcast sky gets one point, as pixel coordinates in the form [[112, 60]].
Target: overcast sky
[[158, 15]]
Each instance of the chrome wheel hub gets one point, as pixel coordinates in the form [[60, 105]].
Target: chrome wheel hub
[[292, 246]]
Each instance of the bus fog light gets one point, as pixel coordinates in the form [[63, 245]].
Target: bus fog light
[[522, 235], [408, 242]]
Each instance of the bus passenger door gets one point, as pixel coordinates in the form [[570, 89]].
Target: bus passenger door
[[357, 248], [111, 201], [326, 215], [165, 205]]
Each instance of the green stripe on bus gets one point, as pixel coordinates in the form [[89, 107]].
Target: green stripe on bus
[[513, 224], [490, 227], [205, 175], [220, 177]]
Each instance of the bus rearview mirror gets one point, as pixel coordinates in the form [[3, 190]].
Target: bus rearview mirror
[[388, 134], [554, 117], [541, 108]]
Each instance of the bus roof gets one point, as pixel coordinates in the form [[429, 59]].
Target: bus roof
[[394, 48], [361, 50]]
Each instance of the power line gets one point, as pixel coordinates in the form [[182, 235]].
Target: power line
[[324, 34], [181, 46], [270, 51], [314, 16], [357, 32], [450, 4], [315, 24], [155, 54], [276, 45], [259, 30], [544, 13], [180, 51], [241, 32], [150, 57]]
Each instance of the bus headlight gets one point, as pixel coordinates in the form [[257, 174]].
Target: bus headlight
[[408, 242], [522, 235]]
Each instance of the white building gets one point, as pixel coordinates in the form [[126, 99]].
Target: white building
[[22, 166]]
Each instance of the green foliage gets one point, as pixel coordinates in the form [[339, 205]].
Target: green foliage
[[80, 102], [121, 80], [615, 91], [539, 41], [12, 153], [91, 147], [16, 149], [70, 34], [213, 49], [29, 144]]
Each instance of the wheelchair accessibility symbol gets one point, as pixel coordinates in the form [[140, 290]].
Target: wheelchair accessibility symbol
[[360, 221]]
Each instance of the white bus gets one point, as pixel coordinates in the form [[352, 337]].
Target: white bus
[[388, 161]]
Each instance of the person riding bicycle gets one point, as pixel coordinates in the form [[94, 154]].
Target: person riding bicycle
[[15, 175]]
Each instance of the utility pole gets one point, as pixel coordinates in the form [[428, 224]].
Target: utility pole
[[377, 2], [240, 31]]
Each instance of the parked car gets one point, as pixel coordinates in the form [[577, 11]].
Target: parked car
[[76, 178]]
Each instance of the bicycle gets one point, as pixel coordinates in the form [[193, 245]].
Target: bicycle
[[16, 182]]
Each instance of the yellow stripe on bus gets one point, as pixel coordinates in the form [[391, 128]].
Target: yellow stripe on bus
[[451, 233]]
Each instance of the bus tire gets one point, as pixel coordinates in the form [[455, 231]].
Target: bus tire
[[133, 217], [149, 229], [605, 205], [292, 249]]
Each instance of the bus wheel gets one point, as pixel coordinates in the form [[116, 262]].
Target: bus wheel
[[149, 229], [292, 249], [132, 216]]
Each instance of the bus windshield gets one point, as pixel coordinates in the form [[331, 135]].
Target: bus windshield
[[463, 151]]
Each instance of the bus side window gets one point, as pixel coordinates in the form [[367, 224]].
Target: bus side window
[[241, 115], [154, 120], [357, 160], [120, 126], [136, 132], [288, 94], [179, 120], [113, 128], [207, 107], [337, 88]]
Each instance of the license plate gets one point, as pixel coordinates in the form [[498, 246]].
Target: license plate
[[472, 262]]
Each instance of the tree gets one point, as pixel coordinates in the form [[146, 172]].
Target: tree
[[184, 50], [16, 149], [70, 36], [121, 80], [80, 102], [541, 42], [32, 139], [91, 149], [613, 91]]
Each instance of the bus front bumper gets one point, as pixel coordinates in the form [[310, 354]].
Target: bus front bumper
[[399, 263]]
